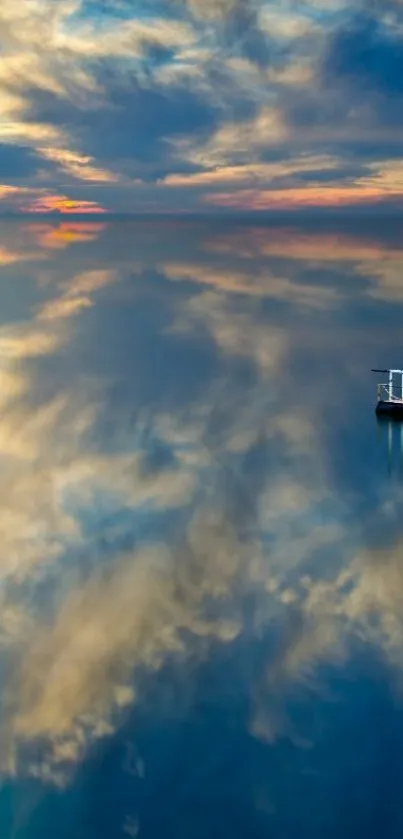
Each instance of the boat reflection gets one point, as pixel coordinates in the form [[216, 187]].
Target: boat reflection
[[390, 438]]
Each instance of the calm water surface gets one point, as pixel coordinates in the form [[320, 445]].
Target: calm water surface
[[201, 566]]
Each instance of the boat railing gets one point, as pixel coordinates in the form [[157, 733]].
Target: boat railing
[[386, 394]]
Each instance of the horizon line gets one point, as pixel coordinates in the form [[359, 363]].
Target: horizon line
[[356, 211]]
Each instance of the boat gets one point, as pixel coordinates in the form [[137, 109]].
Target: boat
[[390, 394]]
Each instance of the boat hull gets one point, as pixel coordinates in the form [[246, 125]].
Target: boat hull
[[390, 409]]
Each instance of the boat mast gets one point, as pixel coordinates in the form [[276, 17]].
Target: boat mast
[[389, 386]]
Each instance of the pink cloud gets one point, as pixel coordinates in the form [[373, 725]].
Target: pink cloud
[[62, 204]]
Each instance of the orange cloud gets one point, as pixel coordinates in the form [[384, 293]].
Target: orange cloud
[[62, 204], [49, 236], [8, 257], [273, 199], [302, 245], [7, 189]]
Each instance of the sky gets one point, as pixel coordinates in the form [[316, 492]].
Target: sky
[[172, 106]]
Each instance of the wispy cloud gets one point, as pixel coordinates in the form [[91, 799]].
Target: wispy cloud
[[315, 196]]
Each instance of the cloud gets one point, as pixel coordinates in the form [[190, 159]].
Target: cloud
[[6, 190], [9, 257], [130, 104], [303, 245], [233, 140], [142, 629], [287, 25], [77, 165], [258, 172], [134, 123], [151, 526], [61, 204], [265, 284], [235, 333], [313, 196], [41, 200], [210, 10], [51, 478], [50, 79], [62, 235], [288, 249]]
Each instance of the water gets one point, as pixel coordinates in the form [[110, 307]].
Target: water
[[201, 591]]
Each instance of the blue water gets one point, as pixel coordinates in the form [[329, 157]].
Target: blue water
[[201, 586]]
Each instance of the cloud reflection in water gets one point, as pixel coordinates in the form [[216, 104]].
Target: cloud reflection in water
[[190, 486]]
